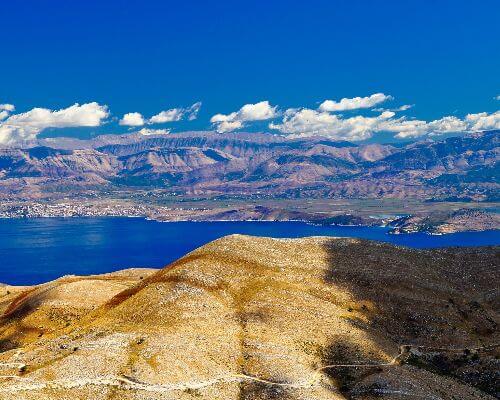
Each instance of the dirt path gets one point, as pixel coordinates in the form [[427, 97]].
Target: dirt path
[[129, 383]]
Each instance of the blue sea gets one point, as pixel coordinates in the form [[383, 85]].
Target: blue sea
[[42, 249]]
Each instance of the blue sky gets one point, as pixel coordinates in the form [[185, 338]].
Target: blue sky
[[443, 57]]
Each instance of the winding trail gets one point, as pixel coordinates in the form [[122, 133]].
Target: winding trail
[[126, 382]]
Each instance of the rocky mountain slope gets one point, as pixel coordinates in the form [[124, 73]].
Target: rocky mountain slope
[[258, 318], [463, 168]]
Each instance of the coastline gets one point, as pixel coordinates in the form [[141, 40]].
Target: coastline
[[391, 230], [430, 222]]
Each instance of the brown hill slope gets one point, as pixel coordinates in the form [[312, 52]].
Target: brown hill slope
[[258, 318]]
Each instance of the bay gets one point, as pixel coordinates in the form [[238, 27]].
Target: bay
[[38, 250]]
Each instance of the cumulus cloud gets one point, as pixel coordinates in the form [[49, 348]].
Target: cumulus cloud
[[27, 125], [132, 119], [7, 107], [90, 114], [149, 132], [249, 112], [324, 121], [483, 121], [353, 103], [307, 122], [447, 124], [176, 114], [228, 126], [5, 110], [415, 128], [450, 124]]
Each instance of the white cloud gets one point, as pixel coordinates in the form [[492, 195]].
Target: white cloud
[[249, 112], [223, 118], [450, 124], [28, 125], [5, 110], [90, 114], [353, 103], [192, 112], [414, 128], [295, 121], [228, 126], [404, 107], [176, 114], [446, 124], [132, 119], [7, 107], [307, 122], [256, 112], [149, 132], [405, 128], [483, 121]]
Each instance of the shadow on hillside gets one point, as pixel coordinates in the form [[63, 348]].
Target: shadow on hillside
[[439, 298], [262, 391]]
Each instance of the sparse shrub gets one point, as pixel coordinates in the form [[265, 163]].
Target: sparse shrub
[[193, 392]]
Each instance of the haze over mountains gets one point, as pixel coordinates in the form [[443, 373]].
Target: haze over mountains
[[206, 163]]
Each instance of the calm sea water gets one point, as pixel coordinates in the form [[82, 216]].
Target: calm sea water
[[38, 250]]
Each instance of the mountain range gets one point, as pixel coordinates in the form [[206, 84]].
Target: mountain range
[[252, 165]]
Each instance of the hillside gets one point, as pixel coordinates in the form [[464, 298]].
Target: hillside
[[259, 318], [247, 165]]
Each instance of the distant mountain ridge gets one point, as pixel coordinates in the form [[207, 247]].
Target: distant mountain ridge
[[244, 164]]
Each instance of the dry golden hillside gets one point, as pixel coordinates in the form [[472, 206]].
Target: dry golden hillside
[[257, 318]]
